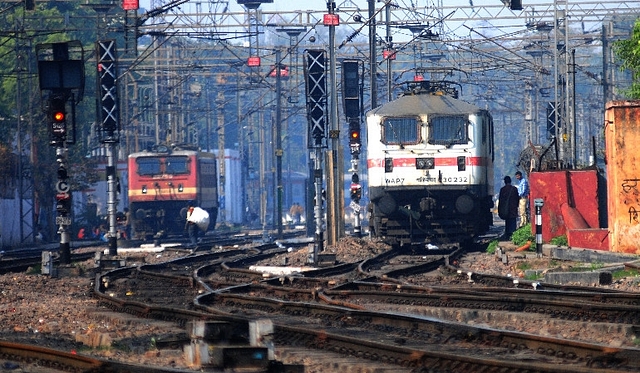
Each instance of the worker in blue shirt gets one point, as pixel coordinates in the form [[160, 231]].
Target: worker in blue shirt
[[523, 205]]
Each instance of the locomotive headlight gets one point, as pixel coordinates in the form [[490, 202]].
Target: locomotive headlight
[[425, 163], [144, 189], [462, 163], [180, 187]]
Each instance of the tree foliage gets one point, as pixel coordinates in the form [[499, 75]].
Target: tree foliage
[[21, 101], [628, 51]]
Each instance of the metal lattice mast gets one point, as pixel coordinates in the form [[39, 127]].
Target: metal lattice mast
[[110, 126], [26, 191], [316, 95], [220, 126]]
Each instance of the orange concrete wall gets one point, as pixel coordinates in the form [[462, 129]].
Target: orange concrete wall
[[622, 139], [575, 190]]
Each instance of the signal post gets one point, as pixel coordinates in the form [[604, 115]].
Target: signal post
[[316, 94], [61, 79], [352, 72], [64, 205], [109, 129]]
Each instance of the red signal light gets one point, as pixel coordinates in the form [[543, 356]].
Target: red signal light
[[130, 4], [389, 54], [253, 61], [354, 136], [331, 19], [356, 192], [283, 70], [58, 116]]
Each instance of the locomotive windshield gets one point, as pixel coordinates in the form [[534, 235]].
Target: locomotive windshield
[[177, 165], [450, 130], [401, 131], [148, 166], [172, 166]]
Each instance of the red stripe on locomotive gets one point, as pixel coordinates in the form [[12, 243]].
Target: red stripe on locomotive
[[444, 161]]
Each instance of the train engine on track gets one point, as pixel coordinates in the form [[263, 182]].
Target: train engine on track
[[163, 181], [430, 167]]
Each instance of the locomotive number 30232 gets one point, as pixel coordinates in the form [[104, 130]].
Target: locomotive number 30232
[[455, 179]]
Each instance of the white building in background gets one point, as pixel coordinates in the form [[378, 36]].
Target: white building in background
[[233, 200]]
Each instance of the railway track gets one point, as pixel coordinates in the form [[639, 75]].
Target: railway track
[[22, 263], [19, 260], [21, 357], [574, 305], [317, 311]]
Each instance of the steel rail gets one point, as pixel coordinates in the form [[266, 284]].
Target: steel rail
[[70, 362], [418, 332]]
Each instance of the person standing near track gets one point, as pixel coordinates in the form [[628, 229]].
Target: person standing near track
[[508, 207], [190, 226], [523, 202], [127, 223]]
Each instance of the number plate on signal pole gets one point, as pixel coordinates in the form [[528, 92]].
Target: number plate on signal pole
[[63, 220]]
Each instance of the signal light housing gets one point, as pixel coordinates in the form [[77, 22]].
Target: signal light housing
[[62, 173], [57, 110], [63, 203], [58, 118], [352, 88], [355, 142], [356, 192], [354, 136]]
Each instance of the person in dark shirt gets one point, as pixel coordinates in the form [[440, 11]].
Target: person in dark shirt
[[127, 223], [508, 207], [192, 228]]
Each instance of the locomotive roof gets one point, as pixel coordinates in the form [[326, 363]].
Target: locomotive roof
[[421, 104], [173, 152], [161, 150]]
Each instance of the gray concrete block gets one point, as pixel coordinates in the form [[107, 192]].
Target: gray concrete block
[[579, 278], [590, 256]]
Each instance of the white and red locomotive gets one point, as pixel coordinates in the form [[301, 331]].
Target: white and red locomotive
[[162, 182], [430, 167]]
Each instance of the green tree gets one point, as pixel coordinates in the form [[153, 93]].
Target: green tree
[[20, 98], [628, 51]]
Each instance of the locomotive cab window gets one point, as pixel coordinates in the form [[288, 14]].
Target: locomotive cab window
[[448, 130], [401, 131], [148, 166], [177, 165]]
